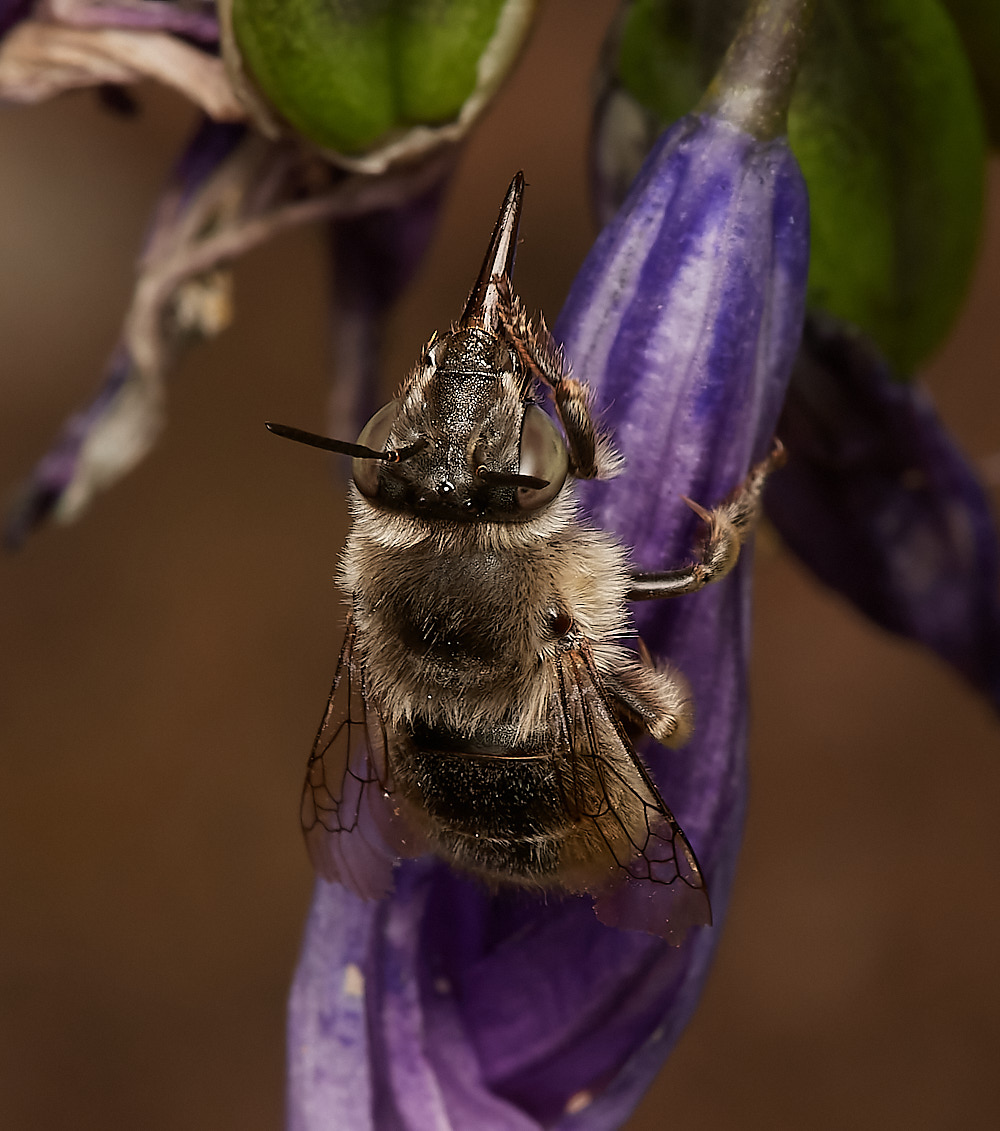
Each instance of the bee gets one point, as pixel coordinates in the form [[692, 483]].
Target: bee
[[484, 708]]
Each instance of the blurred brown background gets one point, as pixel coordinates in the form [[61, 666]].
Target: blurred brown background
[[165, 662]]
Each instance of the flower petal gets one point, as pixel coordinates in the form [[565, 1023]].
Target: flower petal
[[881, 504], [328, 1044], [702, 309], [688, 335], [39, 60], [194, 20], [885, 122]]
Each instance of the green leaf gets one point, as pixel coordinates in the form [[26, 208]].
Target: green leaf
[[349, 73], [886, 125]]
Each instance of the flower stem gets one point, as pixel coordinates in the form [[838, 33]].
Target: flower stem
[[753, 86]]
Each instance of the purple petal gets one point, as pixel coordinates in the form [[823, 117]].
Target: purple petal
[[508, 1011], [705, 285], [211, 144], [55, 472], [328, 1045], [196, 21], [882, 505]]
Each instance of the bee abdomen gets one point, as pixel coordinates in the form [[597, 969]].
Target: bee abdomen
[[529, 861], [493, 809]]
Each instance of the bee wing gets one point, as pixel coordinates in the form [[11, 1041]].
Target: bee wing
[[657, 885], [353, 831]]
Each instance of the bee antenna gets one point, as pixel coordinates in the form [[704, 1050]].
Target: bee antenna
[[356, 451], [510, 479], [342, 447]]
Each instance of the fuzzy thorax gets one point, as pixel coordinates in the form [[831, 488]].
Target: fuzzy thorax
[[457, 621]]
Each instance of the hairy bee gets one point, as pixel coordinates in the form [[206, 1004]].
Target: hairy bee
[[483, 708]]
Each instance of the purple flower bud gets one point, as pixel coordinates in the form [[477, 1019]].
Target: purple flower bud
[[445, 1005], [882, 505], [689, 339]]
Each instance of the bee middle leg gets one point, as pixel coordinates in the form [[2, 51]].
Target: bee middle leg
[[729, 524], [652, 696]]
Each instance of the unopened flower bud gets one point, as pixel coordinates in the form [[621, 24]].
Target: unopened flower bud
[[370, 82]]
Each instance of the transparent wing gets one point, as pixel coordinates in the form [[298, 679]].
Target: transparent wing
[[653, 882], [353, 831]]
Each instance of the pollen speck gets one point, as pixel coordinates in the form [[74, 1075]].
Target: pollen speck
[[354, 981], [579, 1101]]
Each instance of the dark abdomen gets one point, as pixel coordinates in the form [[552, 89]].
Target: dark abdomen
[[493, 809]]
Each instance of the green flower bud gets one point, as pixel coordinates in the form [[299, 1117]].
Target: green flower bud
[[376, 81], [886, 126]]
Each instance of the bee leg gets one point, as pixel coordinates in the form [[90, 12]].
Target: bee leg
[[729, 524], [591, 453], [653, 696]]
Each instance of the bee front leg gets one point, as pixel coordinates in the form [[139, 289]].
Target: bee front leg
[[728, 525], [591, 453]]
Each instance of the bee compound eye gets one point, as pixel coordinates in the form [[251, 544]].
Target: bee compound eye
[[543, 456], [374, 435]]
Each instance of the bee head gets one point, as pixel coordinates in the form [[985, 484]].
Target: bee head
[[469, 443], [463, 441]]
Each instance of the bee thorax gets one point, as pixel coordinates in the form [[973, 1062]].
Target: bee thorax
[[461, 637]]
